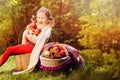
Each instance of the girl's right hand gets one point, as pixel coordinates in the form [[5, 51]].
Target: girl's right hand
[[31, 37], [30, 32]]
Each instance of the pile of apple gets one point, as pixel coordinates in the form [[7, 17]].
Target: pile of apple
[[54, 52], [32, 29]]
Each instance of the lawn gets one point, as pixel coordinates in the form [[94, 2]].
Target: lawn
[[6, 73], [91, 71]]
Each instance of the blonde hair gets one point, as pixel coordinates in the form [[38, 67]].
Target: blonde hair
[[46, 11]]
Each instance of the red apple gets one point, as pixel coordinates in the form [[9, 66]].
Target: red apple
[[56, 48], [28, 27], [37, 31], [62, 53], [56, 54], [33, 26]]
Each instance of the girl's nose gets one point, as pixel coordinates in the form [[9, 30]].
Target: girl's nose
[[40, 19]]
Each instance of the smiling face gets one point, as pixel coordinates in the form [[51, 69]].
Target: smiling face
[[42, 19]]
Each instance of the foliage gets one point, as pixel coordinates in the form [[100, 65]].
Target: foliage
[[100, 35], [6, 32], [101, 66], [65, 29], [18, 14]]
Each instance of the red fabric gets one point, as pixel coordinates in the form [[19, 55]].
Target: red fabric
[[15, 50]]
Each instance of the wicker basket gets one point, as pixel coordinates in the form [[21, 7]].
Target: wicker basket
[[48, 62]]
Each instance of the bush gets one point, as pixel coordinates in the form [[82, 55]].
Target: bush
[[101, 66], [100, 35]]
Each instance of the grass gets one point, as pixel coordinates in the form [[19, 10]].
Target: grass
[[6, 73], [89, 72]]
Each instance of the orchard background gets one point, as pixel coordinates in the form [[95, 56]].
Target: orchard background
[[91, 26]]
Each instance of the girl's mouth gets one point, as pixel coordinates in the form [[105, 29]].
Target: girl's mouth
[[40, 22]]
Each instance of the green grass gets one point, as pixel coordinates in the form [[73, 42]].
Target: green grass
[[8, 66], [6, 73], [89, 72]]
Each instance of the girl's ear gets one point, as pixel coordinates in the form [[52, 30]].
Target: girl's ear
[[50, 18], [51, 22]]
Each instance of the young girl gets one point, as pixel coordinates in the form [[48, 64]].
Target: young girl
[[45, 22]]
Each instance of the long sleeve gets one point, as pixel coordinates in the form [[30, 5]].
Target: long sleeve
[[23, 38], [32, 38]]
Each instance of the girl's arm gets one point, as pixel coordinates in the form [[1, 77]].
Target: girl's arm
[[24, 39], [34, 38], [31, 37]]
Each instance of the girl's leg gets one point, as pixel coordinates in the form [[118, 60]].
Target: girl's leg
[[15, 50]]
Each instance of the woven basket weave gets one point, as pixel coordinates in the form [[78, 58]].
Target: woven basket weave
[[48, 62]]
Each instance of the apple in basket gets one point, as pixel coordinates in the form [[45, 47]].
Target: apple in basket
[[56, 48], [37, 31], [46, 54], [55, 52], [62, 53]]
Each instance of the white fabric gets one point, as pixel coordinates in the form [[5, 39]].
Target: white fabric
[[44, 35]]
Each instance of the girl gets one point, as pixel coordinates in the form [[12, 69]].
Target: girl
[[35, 43]]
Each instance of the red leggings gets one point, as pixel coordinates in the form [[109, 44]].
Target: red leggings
[[15, 50]]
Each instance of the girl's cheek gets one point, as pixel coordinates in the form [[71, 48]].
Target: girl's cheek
[[45, 20]]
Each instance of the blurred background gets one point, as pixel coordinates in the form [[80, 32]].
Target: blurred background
[[91, 26]]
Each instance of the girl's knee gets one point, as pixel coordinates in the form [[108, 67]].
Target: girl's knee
[[9, 49]]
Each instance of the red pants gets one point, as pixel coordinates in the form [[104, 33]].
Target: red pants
[[15, 50]]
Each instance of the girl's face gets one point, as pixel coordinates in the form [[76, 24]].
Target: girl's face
[[42, 19]]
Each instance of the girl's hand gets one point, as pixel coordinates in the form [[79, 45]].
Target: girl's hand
[[31, 32], [28, 33], [31, 37]]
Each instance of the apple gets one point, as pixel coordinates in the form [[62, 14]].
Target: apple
[[62, 53], [28, 27], [56, 54], [46, 54], [56, 48], [33, 26], [37, 31]]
